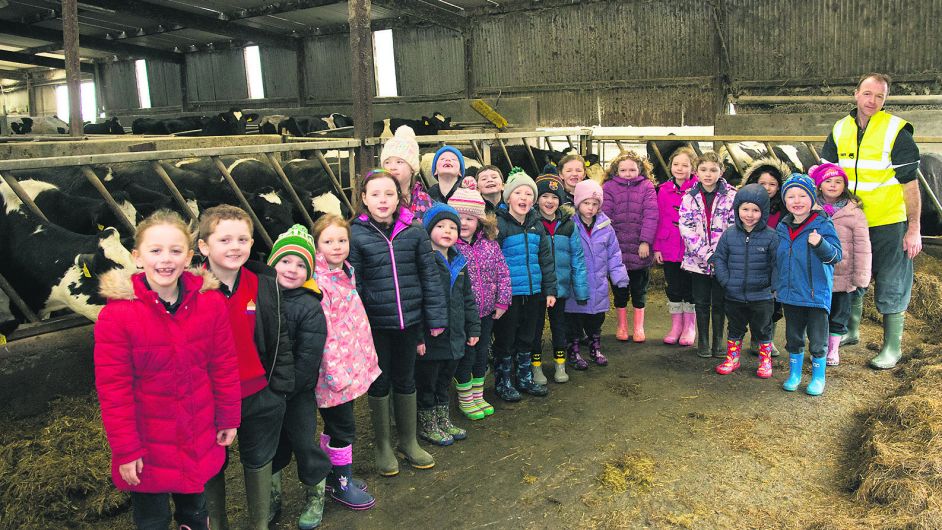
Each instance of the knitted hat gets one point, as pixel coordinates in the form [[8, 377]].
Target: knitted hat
[[448, 149], [438, 212], [824, 171], [801, 181], [467, 200], [516, 178], [404, 146], [549, 183], [587, 189], [296, 241]]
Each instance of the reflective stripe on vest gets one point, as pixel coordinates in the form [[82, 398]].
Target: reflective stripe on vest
[[870, 172]]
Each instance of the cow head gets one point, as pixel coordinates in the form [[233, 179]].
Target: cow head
[[341, 120], [79, 288], [440, 122], [290, 127], [114, 126], [274, 211]]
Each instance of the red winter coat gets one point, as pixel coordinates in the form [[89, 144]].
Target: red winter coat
[[166, 383]]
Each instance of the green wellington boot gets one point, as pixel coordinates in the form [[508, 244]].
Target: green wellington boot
[[313, 507], [215, 493], [892, 342], [853, 323], [406, 419], [258, 496], [383, 455]]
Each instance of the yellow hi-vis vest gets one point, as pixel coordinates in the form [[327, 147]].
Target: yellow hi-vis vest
[[870, 172]]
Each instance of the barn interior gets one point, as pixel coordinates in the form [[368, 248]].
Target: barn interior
[[743, 69]]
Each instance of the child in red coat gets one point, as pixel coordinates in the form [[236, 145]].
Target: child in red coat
[[167, 377]]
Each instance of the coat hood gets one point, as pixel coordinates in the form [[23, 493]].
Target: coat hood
[[773, 166], [119, 284], [757, 195]]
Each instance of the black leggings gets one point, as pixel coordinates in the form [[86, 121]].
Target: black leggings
[[395, 351], [678, 283], [637, 290], [474, 362], [339, 424], [589, 323], [557, 320], [513, 332], [432, 382]]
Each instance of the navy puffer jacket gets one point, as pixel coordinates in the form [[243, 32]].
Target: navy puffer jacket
[[744, 261], [396, 273]]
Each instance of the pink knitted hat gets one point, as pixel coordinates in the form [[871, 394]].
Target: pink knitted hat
[[824, 171], [587, 189], [467, 199]]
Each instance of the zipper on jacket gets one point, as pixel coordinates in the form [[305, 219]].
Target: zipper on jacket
[[526, 254], [745, 276], [808, 262], [274, 357], [392, 258]]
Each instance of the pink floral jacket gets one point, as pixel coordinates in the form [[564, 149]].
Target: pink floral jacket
[[349, 365], [701, 230]]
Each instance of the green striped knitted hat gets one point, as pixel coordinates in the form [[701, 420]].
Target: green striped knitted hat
[[296, 241]]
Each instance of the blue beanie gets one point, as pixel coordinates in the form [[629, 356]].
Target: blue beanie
[[438, 212], [802, 181], [446, 149]]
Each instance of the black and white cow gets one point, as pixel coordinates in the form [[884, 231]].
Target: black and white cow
[[112, 126], [302, 125], [52, 268], [168, 125], [424, 126], [315, 188], [798, 157], [229, 123], [82, 215], [39, 125]]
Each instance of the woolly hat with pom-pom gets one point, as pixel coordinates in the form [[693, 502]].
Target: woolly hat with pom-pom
[[516, 178], [404, 146], [467, 200]]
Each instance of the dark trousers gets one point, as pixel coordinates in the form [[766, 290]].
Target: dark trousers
[[637, 289], [339, 424], [298, 436], [263, 414], [474, 362], [513, 332], [588, 323], [432, 381], [840, 312], [678, 283], [801, 321], [708, 294], [395, 351], [151, 511], [557, 321], [756, 315], [892, 269]]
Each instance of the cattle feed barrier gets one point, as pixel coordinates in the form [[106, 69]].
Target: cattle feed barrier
[[35, 325]]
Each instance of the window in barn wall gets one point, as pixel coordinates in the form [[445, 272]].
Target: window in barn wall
[[143, 88], [88, 101], [253, 72], [384, 63]]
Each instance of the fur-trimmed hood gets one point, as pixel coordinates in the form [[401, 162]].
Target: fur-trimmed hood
[[761, 165], [119, 284]]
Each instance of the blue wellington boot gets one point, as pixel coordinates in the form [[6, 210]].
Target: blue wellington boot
[[795, 362], [816, 386]]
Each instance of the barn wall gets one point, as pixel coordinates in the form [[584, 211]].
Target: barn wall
[[163, 79], [279, 72], [429, 61], [216, 76], [16, 101], [614, 63], [119, 90], [327, 68]]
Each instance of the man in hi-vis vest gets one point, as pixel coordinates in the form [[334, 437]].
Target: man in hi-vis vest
[[880, 157]]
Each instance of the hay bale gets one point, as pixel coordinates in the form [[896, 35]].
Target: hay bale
[[55, 471]]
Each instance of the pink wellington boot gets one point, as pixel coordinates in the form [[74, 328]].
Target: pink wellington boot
[[765, 360], [834, 355], [731, 364], [622, 332], [676, 309], [638, 335], [689, 334]]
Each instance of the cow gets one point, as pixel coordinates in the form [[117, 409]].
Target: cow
[[168, 125], [424, 126], [229, 123], [302, 125], [40, 125], [52, 268], [82, 215], [315, 188], [798, 157], [111, 126], [931, 219]]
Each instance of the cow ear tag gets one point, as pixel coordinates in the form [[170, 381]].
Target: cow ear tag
[[101, 227], [85, 270]]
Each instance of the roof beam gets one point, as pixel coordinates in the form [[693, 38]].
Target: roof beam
[[143, 32], [195, 21], [45, 48], [38, 60], [13, 74], [416, 9], [40, 16], [277, 8], [94, 43]]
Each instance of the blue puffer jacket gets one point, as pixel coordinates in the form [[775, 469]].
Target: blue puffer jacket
[[745, 261], [528, 253], [571, 280], [806, 273]]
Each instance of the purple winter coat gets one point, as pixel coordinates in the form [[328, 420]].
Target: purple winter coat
[[602, 261], [631, 204], [487, 269], [668, 241]]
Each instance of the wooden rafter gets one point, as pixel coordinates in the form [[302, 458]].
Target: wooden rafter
[[95, 43], [38, 60]]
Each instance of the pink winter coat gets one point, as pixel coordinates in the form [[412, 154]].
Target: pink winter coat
[[668, 241], [853, 270], [349, 365], [631, 204], [487, 269], [166, 383], [701, 232]]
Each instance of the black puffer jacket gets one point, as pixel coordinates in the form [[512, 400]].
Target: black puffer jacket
[[271, 331], [398, 279], [307, 328], [463, 320]]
